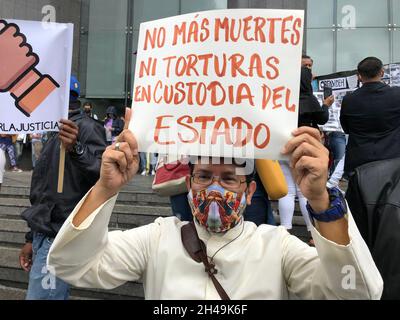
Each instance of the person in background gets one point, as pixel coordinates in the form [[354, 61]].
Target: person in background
[[2, 166], [112, 124], [6, 144], [37, 146], [311, 114], [19, 146], [337, 175], [306, 61], [84, 142], [144, 163], [88, 110], [371, 117]]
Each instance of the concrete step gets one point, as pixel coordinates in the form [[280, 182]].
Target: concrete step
[[11, 293], [11, 275], [9, 257], [10, 237], [23, 179], [14, 283], [14, 207], [13, 225], [125, 196]]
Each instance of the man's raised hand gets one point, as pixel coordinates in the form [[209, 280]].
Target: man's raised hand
[[120, 161]]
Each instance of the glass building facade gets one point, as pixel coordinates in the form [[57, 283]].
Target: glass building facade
[[338, 34]]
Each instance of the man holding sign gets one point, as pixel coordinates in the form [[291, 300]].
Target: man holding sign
[[252, 262], [84, 141], [241, 261]]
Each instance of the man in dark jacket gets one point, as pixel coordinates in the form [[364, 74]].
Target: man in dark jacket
[[84, 140], [311, 113], [376, 211], [371, 117]]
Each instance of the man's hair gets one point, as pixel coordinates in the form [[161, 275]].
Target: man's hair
[[87, 103], [241, 164], [304, 56], [370, 67]]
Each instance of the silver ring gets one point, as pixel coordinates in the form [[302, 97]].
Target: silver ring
[[117, 146]]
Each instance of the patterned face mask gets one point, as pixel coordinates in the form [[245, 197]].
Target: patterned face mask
[[216, 208]]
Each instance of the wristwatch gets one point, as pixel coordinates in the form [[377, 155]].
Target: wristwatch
[[78, 148], [337, 208]]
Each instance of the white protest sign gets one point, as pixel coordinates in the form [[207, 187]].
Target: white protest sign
[[333, 123], [218, 83], [35, 70]]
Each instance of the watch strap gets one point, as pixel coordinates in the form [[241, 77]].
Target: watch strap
[[336, 210]]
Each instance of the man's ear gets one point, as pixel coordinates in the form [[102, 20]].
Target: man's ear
[[251, 188]]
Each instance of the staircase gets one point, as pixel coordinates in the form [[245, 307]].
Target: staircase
[[136, 205]]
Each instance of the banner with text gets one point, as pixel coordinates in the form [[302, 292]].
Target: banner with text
[[35, 70], [218, 83]]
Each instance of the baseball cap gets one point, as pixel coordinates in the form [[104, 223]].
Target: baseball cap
[[75, 87]]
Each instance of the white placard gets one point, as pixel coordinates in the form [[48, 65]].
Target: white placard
[[333, 123], [218, 83], [35, 70]]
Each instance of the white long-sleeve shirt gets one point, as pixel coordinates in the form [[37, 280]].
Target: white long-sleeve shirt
[[264, 262]]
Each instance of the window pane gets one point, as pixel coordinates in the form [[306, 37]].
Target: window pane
[[320, 48], [355, 45], [396, 12], [196, 5], [396, 46], [147, 10], [106, 49], [362, 13], [319, 13]]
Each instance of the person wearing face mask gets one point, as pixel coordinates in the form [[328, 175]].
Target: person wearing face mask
[[88, 110], [247, 261]]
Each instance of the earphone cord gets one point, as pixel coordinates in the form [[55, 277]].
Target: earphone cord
[[212, 258]]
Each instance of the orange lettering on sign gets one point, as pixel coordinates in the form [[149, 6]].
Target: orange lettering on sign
[[158, 128]]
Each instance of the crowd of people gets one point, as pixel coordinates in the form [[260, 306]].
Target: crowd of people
[[222, 206]]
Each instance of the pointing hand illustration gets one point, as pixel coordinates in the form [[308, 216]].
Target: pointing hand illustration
[[18, 74]]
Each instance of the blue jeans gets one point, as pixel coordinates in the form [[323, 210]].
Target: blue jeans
[[42, 284], [260, 205], [143, 161], [337, 144]]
